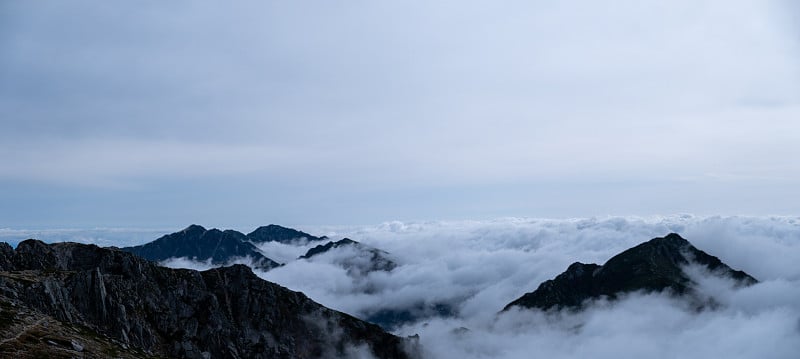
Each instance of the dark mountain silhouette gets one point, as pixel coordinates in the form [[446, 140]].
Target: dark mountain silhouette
[[653, 266], [276, 233], [197, 243], [322, 248], [77, 300], [365, 258]]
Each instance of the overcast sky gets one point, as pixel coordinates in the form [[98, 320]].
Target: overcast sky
[[157, 114]]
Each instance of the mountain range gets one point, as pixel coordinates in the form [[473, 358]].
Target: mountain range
[[220, 247], [133, 306], [67, 300]]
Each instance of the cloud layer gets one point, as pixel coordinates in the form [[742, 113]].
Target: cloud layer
[[477, 267]]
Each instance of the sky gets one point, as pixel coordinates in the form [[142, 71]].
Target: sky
[[234, 115]]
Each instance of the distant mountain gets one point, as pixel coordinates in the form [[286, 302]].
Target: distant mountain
[[197, 243], [276, 233], [69, 300], [364, 259], [653, 266]]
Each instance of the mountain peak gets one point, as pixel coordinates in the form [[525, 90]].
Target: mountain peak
[[322, 248], [280, 234], [193, 228], [652, 266], [672, 240], [675, 236], [197, 243]]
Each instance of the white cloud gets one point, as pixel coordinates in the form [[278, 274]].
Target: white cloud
[[478, 267], [119, 237], [188, 263]]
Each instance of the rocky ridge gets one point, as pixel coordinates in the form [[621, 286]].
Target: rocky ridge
[[654, 266], [366, 258], [155, 311], [197, 243], [280, 234]]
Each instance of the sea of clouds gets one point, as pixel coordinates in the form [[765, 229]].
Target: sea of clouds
[[118, 237], [475, 268]]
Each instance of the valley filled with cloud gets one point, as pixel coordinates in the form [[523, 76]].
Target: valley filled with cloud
[[452, 279], [479, 267]]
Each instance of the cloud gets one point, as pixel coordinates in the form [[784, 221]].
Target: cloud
[[652, 326], [527, 90], [479, 266], [119, 237], [475, 268], [285, 253], [188, 263]]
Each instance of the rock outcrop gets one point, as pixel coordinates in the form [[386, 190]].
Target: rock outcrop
[[225, 312], [654, 266], [360, 259], [197, 243]]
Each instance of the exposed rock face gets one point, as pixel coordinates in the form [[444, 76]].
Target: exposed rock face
[[27, 333], [653, 266], [195, 242], [363, 258], [6, 252], [276, 233], [222, 313]]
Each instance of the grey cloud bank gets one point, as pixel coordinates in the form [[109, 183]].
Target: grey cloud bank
[[138, 115], [477, 267]]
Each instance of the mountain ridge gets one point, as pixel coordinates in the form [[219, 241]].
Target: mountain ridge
[[280, 234], [221, 312], [197, 243], [652, 266], [367, 259]]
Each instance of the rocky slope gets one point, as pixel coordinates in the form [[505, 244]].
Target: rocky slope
[[653, 266], [28, 333], [197, 243], [155, 311], [361, 260]]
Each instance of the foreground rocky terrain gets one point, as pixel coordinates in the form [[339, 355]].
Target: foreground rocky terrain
[[102, 302], [28, 333], [654, 266]]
